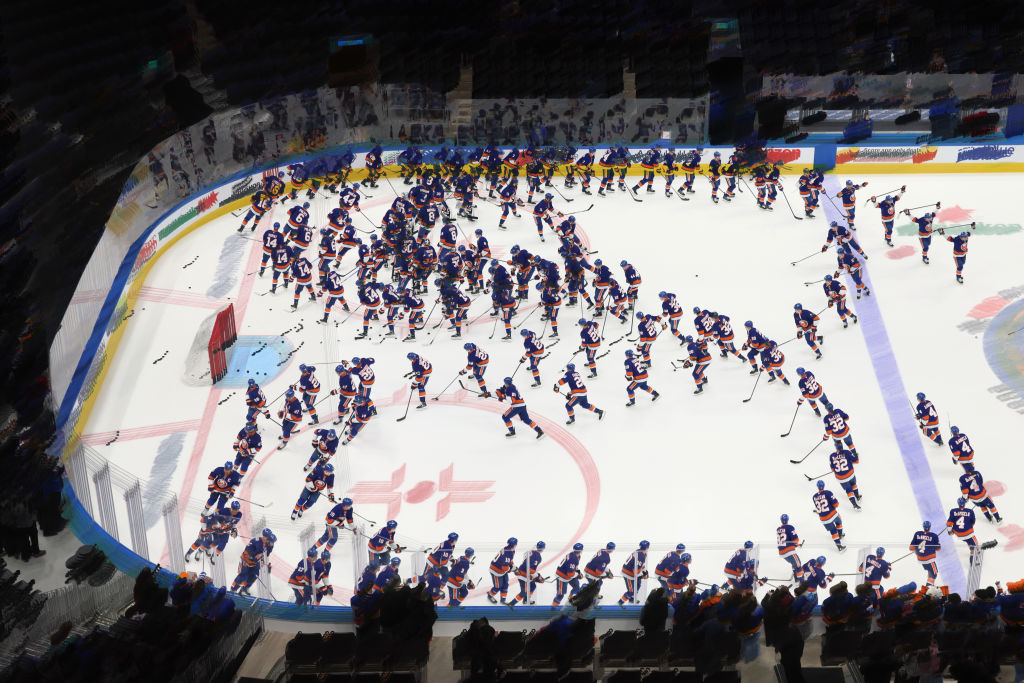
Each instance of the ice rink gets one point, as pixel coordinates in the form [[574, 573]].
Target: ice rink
[[709, 471]]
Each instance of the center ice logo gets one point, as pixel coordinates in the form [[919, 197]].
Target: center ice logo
[[392, 493]]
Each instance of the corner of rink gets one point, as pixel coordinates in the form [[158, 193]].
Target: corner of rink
[[708, 470]]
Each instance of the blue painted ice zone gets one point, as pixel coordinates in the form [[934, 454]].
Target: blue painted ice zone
[[260, 358]]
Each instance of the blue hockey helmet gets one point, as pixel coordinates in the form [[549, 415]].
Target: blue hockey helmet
[[833, 224], [356, 360], [800, 371], [478, 231], [252, 382], [639, 315], [926, 525], [290, 393], [920, 396], [469, 552], [889, 197], [524, 332], [610, 546], [508, 381], [549, 196], [849, 183], [325, 555], [452, 537], [828, 278], [469, 346], [685, 558], [395, 561], [305, 205], [747, 545], [512, 541], [748, 324], [965, 234], [571, 367], [346, 502], [411, 356], [581, 321], [820, 485], [629, 353], [311, 552], [644, 545], [592, 150], [880, 551], [359, 399], [688, 339], [229, 466], [696, 309], [623, 263], [355, 186], [514, 249], [798, 307], [250, 426], [235, 505], [541, 545], [578, 547], [277, 226], [820, 561], [962, 502], [749, 564], [718, 155], [572, 219], [784, 519], [598, 262], [391, 524], [680, 547], [662, 294], [328, 468], [954, 430]]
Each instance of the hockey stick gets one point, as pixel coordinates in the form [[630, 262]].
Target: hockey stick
[[793, 263], [756, 380], [937, 205], [407, 404], [372, 523], [633, 194], [1015, 331], [614, 343], [793, 422], [580, 211], [874, 198], [819, 476], [519, 324], [360, 212], [430, 313], [251, 502], [438, 396], [564, 198], [517, 369], [604, 319], [797, 462], [813, 282], [495, 327], [350, 314], [752, 194], [787, 341], [478, 393], [783, 191]]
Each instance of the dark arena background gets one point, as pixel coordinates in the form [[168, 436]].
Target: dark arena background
[[537, 340]]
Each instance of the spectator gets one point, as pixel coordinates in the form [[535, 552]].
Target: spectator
[[654, 612]]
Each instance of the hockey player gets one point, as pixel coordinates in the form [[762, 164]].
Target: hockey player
[[584, 167], [590, 342], [849, 263], [827, 508], [926, 546], [534, 351], [960, 447], [335, 293], [383, 544], [338, 517], [309, 385], [256, 553], [634, 571], [607, 163], [633, 282], [841, 461], [567, 575], [961, 524], [501, 566], [803, 184], [814, 578], [272, 239], [518, 409], [476, 364], [370, 300], [737, 563], [320, 480], [811, 391], [698, 359], [361, 368], [577, 394], [282, 258], [788, 542], [361, 414], [680, 577], [959, 251], [874, 569], [255, 402], [724, 335], [704, 324], [849, 200], [458, 583], [346, 390], [542, 212], [440, 557], [259, 204], [756, 342], [636, 375], [690, 166], [837, 426], [972, 485], [247, 444], [322, 577], [843, 238], [836, 293], [421, 369], [348, 198], [668, 160], [596, 570], [928, 419], [772, 359], [924, 232], [387, 575], [413, 307], [204, 540], [807, 328], [291, 416], [887, 207], [301, 579], [715, 174], [302, 273], [528, 576], [223, 482], [668, 566], [649, 162], [730, 170], [507, 198], [648, 331]]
